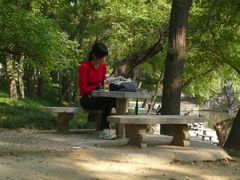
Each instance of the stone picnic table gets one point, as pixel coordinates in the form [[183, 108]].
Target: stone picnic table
[[122, 98]]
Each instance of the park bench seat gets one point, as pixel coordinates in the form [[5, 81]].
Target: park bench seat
[[204, 135], [135, 127], [65, 114]]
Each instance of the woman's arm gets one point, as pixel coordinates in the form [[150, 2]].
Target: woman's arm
[[104, 73], [82, 74]]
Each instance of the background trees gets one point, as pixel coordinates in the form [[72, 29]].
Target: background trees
[[57, 35], [42, 43], [32, 46]]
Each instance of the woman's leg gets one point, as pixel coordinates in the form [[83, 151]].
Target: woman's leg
[[108, 104], [105, 104], [91, 103]]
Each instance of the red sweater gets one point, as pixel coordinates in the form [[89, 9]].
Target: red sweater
[[89, 77]]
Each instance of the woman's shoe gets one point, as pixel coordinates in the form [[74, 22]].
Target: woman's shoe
[[107, 134]]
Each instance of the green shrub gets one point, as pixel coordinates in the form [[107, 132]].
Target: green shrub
[[80, 122], [235, 152], [24, 113], [25, 116]]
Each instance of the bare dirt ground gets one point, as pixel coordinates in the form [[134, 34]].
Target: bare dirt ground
[[31, 155]]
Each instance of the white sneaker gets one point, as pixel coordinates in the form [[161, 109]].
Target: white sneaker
[[107, 134], [101, 133]]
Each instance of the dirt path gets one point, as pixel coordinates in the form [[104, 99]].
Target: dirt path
[[30, 155]]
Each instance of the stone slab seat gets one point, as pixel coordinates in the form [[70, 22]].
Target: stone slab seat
[[65, 114], [135, 127], [206, 136]]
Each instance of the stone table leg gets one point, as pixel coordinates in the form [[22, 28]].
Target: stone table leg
[[137, 135], [181, 135], [121, 107], [62, 124]]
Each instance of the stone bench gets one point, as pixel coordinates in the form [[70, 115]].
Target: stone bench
[[65, 114], [205, 135], [135, 127]]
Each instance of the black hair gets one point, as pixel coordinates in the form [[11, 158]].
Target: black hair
[[100, 50]]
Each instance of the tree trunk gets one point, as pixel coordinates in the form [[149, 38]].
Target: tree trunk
[[75, 90], [175, 60], [20, 77], [152, 101], [13, 90], [145, 102], [233, 140], [151, 127], [66, 90], [31, 83], [11, 76], [40, 88], [222, 129]]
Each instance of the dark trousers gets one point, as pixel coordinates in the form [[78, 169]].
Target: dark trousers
[[102, 103]]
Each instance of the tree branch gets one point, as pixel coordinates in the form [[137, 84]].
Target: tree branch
[[10, 52], [190, 80], [126, 66]]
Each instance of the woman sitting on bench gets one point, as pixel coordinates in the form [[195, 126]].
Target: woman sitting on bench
[[92, 74]]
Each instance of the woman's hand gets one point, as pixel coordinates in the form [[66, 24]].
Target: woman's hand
[[99, 87]]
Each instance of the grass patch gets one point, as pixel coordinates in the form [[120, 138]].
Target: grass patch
[[80, 121], [26, 113], [234, 152]]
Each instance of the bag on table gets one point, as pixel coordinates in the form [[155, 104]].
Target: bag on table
[[122, 84]]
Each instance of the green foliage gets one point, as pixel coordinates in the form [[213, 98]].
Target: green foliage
[[218, 37], [233, 152], [38, 38], [151, 72], [125, 26], [80, 121], [134, 25], [26, 113], [57, 35], [213, 45]]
